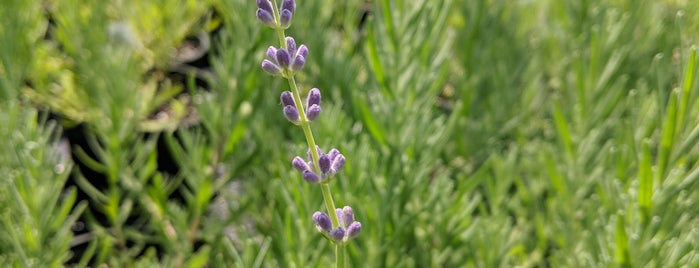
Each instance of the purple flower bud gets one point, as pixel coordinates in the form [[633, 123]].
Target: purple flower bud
[[337, 234], [272, 54], [298, 63], [313, 112], [287, 11], [347, 216], [354, 229], [313, 97], [337, 164], [283, 58], [291, 46], [300, 165], [289, 5], [287, 99], [322, 221], [302, 51], [324, 163], [285, 18], [265, 17], [291, 113], [265, 5], [310, 176], [271, 68], [333, 153]]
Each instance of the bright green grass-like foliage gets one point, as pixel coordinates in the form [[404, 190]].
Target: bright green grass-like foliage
[[485, 133]]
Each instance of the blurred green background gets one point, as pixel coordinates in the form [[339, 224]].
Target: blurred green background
[[483, 133]]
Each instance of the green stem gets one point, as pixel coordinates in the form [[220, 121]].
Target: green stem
[[339, 255]]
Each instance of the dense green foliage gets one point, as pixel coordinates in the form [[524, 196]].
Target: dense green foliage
[[477, 133]]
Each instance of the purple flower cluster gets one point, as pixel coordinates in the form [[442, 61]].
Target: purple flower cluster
[[348, 229], [268, 16], [312, 106], [287, 59], [329, 164]]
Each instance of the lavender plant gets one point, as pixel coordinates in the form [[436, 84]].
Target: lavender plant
[[318, 168]]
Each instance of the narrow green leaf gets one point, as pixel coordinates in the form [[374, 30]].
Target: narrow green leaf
[[562, 128], [369, 121], [689, 74], [376, 64], [645, 186], [199, 259], [667, 138], [621, 242]]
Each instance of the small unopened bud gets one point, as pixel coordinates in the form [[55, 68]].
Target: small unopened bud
[[337, 234], [322, 221], [291, 113], [313, 97], [287, 99], [298, 63], [348, 216], [324, 163], [271, 68], [300, 164], [265, 11], [283, 58], [302, 51], [291, 45], [310, 176], [265, 17], [286, 13], [313, 112], [354, 229], [337, 164]]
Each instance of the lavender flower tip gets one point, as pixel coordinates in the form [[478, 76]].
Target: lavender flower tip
[[310, 177], [283, 58], [300, 165], [265, 5], [337, 164], [271, 68], [337, 234], [324, 163], [291, 113], [287, 99], [322, 221], [313, 112], [298, 63], [354, 229], [313, 97], [285, 19], [265, 17], [302, 51], [348, 216], [272, 53], [289, 5], [291, 45]]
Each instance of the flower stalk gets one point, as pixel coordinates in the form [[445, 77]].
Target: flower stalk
[[338, 225]]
